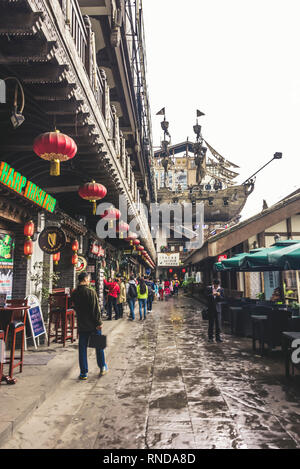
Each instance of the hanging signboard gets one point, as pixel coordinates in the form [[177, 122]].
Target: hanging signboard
[[6, 264], [35, 318], [168, 259], [81, 264], [96, 250], [52, 240]]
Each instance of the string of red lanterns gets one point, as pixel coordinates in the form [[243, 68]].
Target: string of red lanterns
[[28, 244]]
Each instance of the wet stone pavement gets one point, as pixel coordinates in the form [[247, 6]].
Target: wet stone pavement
[[181, 392], [169, 388]]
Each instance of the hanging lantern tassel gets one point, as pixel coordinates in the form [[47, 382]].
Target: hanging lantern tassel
[[55, 168]]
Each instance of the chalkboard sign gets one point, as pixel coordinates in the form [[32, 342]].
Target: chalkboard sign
[[35, 318]]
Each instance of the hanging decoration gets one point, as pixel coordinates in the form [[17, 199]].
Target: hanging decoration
[[131, 237], [29, 229], [92, 191], [28, 244], [136, 243], [140, 249], [122, 228], [56, 148], [75, 246], [111, 214], [56, 258], [74, 259], [28, 248]]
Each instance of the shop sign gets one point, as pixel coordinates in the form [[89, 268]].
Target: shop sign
[[81, 264], [222, 258], [52, 240], [27, 189], [96, 250], [7, 245], [35, 317], [168, 259]]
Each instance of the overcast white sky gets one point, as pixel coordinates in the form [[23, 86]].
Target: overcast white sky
[[239, 62]]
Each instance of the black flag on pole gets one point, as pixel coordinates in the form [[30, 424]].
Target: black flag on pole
[[199, 113], [162, 112]]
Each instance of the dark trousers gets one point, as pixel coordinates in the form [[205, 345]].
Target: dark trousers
[[82, 349], [214, 321], [112, 304], [120, 310], [149, 303]]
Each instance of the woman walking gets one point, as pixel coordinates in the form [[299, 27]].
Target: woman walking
[[142, 291]]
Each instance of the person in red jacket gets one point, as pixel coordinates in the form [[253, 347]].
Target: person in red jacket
[[113, 293]]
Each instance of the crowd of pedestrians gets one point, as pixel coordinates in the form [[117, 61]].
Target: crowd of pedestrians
[[142, 291]]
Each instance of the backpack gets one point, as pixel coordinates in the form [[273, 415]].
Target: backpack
[[132, 291]]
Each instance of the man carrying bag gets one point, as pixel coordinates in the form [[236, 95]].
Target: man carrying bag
[[89, 323]]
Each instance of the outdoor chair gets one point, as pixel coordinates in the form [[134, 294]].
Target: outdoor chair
[[63, 318], [16, 325]]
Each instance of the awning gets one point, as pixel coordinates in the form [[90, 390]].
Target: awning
[[283, 255]]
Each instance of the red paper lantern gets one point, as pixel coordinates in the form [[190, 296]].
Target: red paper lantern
[[75, 245], [183, 271], [92, 191], [56, 258], [122, 228], [130, 238], [170, 270], [111, 214], [55, 147], [28, 248], [74, 259], [29, 229]]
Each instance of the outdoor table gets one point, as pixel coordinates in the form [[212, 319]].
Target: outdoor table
[[287, 339]]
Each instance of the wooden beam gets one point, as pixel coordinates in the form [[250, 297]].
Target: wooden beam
[[18, 22], [51, 92], [35, 73], [25, 50]]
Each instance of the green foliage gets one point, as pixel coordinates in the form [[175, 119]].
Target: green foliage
[[261, 296], [188, 281], [41, 278]]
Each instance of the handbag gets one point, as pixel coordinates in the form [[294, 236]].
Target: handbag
[[205, 314], [97, 341]]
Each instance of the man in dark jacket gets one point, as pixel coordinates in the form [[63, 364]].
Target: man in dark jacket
[[89, 321], [215, 294], [150, 285]]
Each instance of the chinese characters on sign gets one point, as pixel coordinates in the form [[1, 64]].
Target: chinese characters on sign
[[168, 260]]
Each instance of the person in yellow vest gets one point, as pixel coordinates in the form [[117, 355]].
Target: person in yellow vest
[[142, 291]]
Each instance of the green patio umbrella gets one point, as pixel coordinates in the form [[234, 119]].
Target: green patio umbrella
[[236, 261], [259, 261], [287, 258]]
